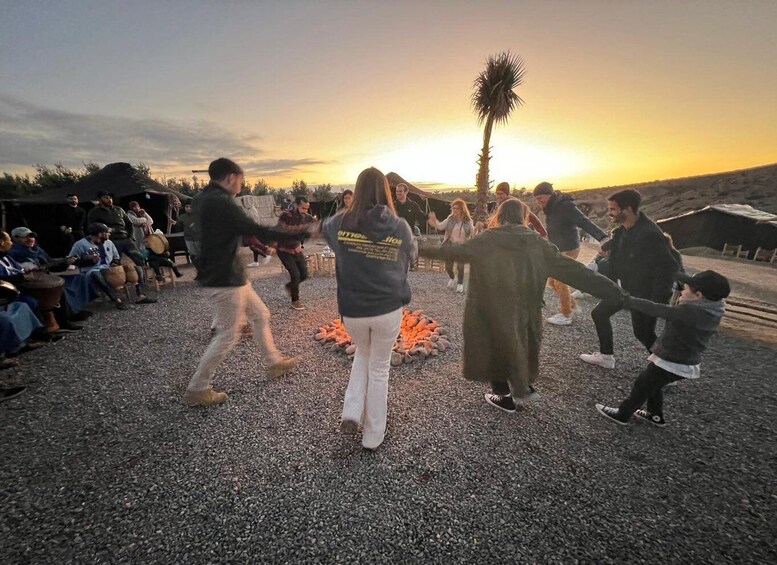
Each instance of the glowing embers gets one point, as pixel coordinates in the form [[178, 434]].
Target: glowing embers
[[419, 337]]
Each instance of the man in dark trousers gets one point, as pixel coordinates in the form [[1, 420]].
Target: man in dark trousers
[[222, 226], [562, 220], [72, 221], [640, 258], [290, 247]]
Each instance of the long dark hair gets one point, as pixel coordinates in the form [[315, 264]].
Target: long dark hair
[[372, 189]]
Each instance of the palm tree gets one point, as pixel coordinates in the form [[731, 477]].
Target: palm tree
[[493, 100]]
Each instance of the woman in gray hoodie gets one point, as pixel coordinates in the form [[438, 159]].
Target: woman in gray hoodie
[[373, 251]]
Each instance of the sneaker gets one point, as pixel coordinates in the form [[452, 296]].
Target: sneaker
[[606, 361], [560, 320], [655, 419], [611, 414], [577, 295], [460, 288], [451, 284], [253, 264], [504, 403], [12, 392], [121, 306], [207, 397], [349, 427], [145, 300], [297, 305], [282, 367]]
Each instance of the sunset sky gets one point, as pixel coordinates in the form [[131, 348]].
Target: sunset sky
[[615, 92]]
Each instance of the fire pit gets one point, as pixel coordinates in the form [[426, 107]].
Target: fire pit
[[419, 337]]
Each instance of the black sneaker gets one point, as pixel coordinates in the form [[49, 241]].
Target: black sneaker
[[122, 306], [611, 414], [655, 419], [146, 300], [504, 403], [13, 392]]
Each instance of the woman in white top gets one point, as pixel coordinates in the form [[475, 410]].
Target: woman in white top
[[458, 229]]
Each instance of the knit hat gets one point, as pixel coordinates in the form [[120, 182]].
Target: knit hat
[[543, 189], [97, 227]]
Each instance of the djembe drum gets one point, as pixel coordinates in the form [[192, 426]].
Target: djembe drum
[[47, 289], [116, 277]]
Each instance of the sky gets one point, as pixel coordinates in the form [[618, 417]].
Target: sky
[[615, 92]]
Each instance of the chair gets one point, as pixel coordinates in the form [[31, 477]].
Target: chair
[[734, 250], [768, 255]]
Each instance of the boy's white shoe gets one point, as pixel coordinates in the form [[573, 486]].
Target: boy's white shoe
[[606, 361], [253, 264], [451, 284], [560, 320], [460, 288], [577, 295]]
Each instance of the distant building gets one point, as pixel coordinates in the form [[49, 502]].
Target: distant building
[[714, 226]]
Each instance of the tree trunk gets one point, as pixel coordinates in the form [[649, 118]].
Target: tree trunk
[[481, 202]]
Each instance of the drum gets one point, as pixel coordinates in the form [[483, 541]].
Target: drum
[[115, 276], [130, 273], [157, 243], [45, 288], [8, 292]]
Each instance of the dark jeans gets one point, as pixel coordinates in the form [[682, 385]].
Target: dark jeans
[[128, 247], [459, 271], [648, 387], [298, 269], [157, 261], [644, 326]]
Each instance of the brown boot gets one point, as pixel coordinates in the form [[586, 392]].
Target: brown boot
[[283, 366], [207, 397]]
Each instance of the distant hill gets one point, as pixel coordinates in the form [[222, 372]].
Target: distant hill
[[666, 198]]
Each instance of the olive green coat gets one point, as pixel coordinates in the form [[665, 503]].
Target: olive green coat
[[509, 267]]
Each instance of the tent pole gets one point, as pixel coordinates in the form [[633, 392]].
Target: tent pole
[[2, 205]]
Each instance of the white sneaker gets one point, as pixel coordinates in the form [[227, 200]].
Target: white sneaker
[[560, 320], [451, 284], [606, 361], [253, 264], [577, 295], [460, 288]]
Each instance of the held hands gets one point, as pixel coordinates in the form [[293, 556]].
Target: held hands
[[432, 219]]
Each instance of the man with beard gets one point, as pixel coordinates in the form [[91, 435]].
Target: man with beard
[[641, 260]]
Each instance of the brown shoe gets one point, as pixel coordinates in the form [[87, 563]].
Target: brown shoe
[[282, 367], [297, 305], [207, 397]]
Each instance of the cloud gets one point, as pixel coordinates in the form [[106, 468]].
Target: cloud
[[32, 134]]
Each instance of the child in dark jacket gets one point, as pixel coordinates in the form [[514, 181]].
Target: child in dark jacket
[[677, 351]]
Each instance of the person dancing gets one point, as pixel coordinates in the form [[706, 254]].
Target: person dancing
[[222, 227], [373, 249], [458, 229], [503, 314]]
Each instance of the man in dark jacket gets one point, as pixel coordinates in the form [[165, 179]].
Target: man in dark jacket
[[290, 247], [562, 220], [119, 223], [72, 221], [222, 226], [640, 258], [408, 210]]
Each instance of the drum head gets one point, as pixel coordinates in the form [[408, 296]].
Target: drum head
[[157, 243]]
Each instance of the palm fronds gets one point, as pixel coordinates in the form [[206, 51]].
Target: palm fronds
[[493, 94]]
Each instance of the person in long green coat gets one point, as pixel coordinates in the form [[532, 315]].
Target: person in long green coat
[[509, 267]]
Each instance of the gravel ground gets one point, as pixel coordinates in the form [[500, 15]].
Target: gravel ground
[[102, 462]]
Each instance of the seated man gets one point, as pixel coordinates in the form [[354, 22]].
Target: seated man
[[32, 257], [95, 253]]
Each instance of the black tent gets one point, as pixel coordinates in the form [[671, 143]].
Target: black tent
[[428, 201], [39, 211], [714, 226]]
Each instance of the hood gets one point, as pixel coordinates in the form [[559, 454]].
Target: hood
[[379, 223], [509, 237], [716, 307], [559, 198]]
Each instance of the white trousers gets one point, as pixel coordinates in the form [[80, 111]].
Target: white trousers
[[366, 398], [232, 305]]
